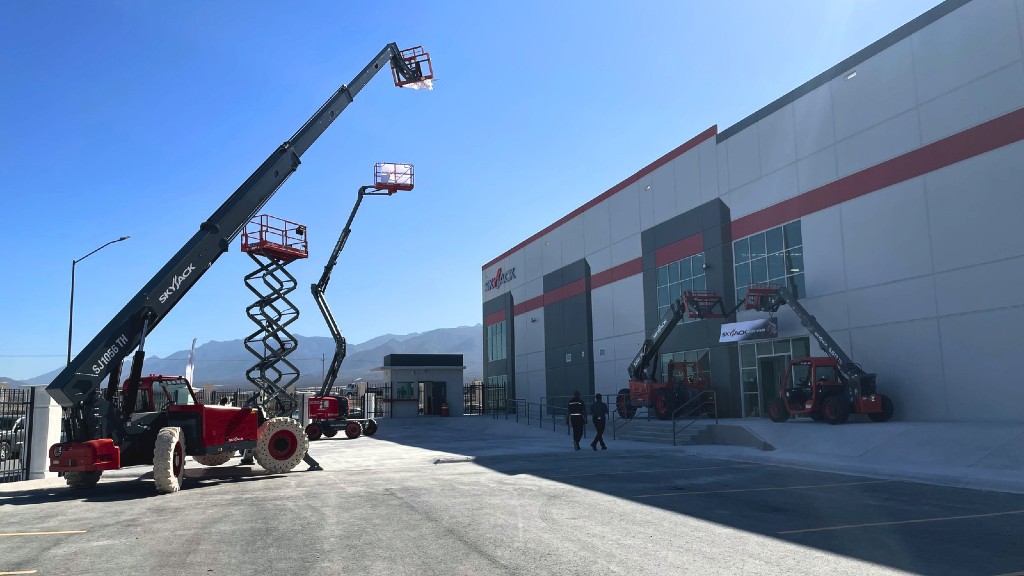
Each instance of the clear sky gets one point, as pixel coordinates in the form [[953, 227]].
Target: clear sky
[[140, 118]]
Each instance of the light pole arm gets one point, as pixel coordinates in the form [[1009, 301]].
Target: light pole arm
[[71, 312]]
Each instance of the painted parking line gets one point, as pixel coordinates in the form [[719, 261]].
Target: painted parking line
[[898, 522], [762, 489], [41, 533], [653, 470], [18, 572]]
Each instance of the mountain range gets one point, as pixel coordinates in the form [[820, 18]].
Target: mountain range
[[223, 364]]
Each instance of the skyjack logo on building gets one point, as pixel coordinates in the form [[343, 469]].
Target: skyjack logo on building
[[500, 278]]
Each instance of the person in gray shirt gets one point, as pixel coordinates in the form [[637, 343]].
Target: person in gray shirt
[[599, 412]]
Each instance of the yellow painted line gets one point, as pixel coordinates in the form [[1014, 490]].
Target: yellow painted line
[[649, 471], [42, 533], [761, 489], [19, 572], [894, 523]]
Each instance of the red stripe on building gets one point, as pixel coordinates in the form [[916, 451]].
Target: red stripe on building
[[986, 137], [679, 250], [494, 318], [617, 273], [531, 304], [679, 151], [567, 291]]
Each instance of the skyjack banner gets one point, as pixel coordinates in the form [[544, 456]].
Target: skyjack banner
[[752, 330]]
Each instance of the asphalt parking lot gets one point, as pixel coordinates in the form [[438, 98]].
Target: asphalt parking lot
[[476, 496]]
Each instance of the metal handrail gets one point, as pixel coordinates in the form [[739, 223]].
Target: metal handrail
[[699, 402]]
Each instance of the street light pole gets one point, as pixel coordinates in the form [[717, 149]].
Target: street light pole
[[71, 313]]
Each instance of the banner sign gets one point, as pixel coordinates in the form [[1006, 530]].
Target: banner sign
[[763, 329]]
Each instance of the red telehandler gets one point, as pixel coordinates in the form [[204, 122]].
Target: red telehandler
[[102, 436]]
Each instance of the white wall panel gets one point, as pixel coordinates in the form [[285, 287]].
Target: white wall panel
[[816, 169], [722, 158], [626, 250], [842, 338], [984, 287], [879, 143], [970, 42], [975, 208], [744, 162], [823, 252], [517, 260], [606, 344], [912, 299], [534, 265], [763, 192], [886, 235], [982, 359], [628, 303], [626, 347], [519, 337], [882, 88], [551, 250], [776, 135], [647, 218], [532, 289], [984, 99], [538, 386], [572, 239], [909, 366], [535, 361], [707, 153], [832, 311], [686, 169], [596, 228], [663, 192], [812, 115], [602, 305], [624, 207], [534, 331], [600, 261], [609, 377]]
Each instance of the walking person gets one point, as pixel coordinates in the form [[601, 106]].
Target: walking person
[[600, 413], [576, 414]]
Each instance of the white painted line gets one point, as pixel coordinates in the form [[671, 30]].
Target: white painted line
[[761, 489], [19, 572], [897, 522], [42, 533]]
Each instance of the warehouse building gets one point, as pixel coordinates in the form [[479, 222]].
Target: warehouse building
[[886, 193]]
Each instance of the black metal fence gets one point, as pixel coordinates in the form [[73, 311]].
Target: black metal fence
[[480, 398], [15, 434]]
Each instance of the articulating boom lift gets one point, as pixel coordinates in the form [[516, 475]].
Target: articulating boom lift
[[102, 437], [329, 412]]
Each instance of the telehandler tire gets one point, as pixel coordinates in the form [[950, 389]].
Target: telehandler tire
[[353, 430], [836, 409], [370, 428], [82, 480], [214, 459], [169, 460], [887, 411], [281, 444], [777, 410]]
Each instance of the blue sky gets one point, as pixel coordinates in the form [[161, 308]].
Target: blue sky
[[140, 118]]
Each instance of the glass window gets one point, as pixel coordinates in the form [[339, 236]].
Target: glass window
[[741, 251], [792, 233], [663, 296], [764, 349], [662, 276], [759, 270], [773, 240], [776, 266], [496, 341], [675, 291], [801, 347], [697, 261], [178, 393], [749, 376], [673, 272], [757, 246], [679, 276], [699, 283], [794, 260], [782, 347], [826, 373], [743, 275], [801, 375], [748, 359]]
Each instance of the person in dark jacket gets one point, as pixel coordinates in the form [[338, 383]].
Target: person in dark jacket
[[576, 415], [600, 413]]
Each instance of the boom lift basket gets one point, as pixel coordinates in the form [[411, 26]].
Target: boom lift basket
[[700, 304], [419, 60], [393, 177], [763, 298]]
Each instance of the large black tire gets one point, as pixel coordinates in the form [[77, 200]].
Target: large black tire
[[82, 480], [329, 430], [777, 410], [214, 459], [169, 460], [313, 431], [5, 451], [281, 444], [353, 430], [624, 405], [370, 428], [836, 409], [887, 411], [663, 405]]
